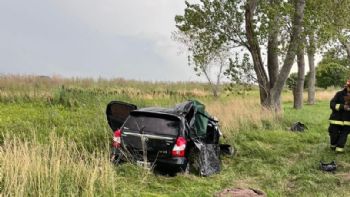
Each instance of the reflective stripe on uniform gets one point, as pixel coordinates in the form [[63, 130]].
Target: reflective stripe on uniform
[[337, 107], [337, 122], [339, 149], [347, 123]]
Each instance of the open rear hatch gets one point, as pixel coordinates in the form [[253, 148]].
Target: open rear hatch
[[153, 132], [117, 112]]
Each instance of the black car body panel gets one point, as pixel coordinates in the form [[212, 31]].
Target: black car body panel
[[117, 112], [151, 134], [158, 127]]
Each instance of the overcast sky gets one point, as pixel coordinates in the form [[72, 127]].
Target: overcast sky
[[92, 38]]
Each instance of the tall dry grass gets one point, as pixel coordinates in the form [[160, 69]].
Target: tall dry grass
[[320, 95], [30, 88], [241, 112], [238, 112], [53, 169], [325, 95]]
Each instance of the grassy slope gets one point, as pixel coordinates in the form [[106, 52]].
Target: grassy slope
[[66, 154]]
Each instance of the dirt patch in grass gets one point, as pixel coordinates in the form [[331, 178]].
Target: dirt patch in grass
[[239, 192], [345, 177]]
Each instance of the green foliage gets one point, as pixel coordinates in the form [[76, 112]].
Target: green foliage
[[328, 24], [241, 71], [198, 33], [334, 55], [317, 23], [292, 81], [333, 70], [210, 29], [306, 81], [331, 74], [241, 74]]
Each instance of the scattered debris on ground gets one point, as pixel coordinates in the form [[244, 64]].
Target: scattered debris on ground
[[328, 167], [298, 126]]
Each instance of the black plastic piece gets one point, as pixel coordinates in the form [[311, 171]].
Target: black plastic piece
[[328, 167], [298, 126], [204, 159]]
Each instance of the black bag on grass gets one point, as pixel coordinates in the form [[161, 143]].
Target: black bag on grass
[[328, 167], [298, 126]]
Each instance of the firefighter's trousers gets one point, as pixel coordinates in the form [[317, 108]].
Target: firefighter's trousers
[[338, 135]]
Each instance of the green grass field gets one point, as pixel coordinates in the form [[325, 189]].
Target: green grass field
[[54, 141]]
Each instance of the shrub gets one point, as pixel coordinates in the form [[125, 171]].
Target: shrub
[[331, 74]]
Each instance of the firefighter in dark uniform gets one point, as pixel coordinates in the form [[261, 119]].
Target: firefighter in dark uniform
[[339, 120]]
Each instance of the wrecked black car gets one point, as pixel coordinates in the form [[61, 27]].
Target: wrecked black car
[[182, 138]]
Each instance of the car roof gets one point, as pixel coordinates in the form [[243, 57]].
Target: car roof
[[157, 110]]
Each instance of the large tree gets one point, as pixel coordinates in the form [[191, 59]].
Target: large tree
[[252, 25], [325, 22], [338, 16]]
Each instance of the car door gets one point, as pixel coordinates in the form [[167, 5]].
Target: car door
[[117, 112]]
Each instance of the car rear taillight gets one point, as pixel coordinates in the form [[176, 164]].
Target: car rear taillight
[[116, 138], [179, 148]]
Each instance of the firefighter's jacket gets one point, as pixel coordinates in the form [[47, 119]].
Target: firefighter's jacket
[[339, 116]]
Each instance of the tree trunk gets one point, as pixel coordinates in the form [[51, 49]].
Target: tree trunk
[[215, 92], [214, 87], [299, 88], [347, 48], [255, 52], [272, 48], [270, 97], [312, 72], [218, 78], [276, 91]]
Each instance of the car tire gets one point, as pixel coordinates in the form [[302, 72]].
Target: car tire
[[185, 169], [116, 157]]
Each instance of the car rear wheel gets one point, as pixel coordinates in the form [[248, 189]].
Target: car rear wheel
[[116, 156], [185, 169]]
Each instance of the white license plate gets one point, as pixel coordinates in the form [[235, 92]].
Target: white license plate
[[142, 164]]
